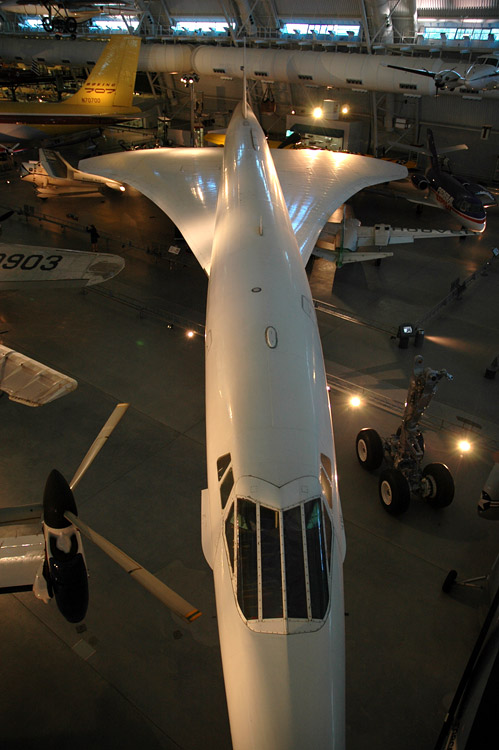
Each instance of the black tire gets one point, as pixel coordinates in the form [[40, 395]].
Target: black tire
[[449, 581], [394, 491], [71, 25], [369, 448], [439, 490]]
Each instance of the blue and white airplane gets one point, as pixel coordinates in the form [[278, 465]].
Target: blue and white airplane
[[465, 200]]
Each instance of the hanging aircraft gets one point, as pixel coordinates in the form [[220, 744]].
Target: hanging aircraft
[[63, 17], [272, 529], [466, 201], [52, 176], [483, 74], [104, 99]]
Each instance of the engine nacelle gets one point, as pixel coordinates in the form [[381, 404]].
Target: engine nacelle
[[64, 571], [420, 181]]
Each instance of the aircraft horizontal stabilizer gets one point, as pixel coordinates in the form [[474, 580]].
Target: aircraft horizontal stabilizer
[[30, 382], [342, 257]]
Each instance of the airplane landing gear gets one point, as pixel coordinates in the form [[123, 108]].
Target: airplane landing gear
[[404, 451], [60, 25]]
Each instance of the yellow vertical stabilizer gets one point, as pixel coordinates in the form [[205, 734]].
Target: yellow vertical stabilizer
[[111, 81]]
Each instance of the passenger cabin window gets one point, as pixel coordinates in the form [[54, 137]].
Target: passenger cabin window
[[281, 560]]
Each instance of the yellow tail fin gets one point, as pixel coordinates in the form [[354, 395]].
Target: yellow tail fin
[[111, 81]]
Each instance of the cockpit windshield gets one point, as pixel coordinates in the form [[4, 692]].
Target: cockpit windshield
[[280, 559], [470, 206]]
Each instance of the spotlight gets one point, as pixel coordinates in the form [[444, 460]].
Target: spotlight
[[345, 109], [190, 334], [464, 446], [317, 113], [355, 401]]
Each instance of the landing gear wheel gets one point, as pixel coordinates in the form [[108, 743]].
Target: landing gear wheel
[[438, 485], [70, 25], [394, 491], [369, 449], [449, 581]]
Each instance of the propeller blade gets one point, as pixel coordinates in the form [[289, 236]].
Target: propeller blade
[[150, 582], [99, 442]]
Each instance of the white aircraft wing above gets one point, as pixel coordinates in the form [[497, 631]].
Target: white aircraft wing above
[[316, 183], [184, 184], [30, 382]]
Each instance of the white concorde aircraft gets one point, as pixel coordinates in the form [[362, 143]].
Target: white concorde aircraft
[[272, 529]]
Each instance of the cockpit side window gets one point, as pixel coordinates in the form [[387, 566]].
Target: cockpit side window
[[317, 558], [226, 487], [222, 465], [326, 479], [225, 477], [229, 535], [247, 572]]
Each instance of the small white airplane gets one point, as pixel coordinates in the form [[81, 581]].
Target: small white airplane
[[37, 267], [272, 528], [54, 177], [481, 75], [344, 234]]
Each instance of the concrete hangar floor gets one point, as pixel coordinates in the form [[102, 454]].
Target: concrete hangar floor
[[134, 675]]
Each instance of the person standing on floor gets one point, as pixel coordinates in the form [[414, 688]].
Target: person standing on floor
[[94, 236]]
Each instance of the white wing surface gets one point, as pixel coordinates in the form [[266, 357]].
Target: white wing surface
[[316, 183], [30, 382], [184, 184]]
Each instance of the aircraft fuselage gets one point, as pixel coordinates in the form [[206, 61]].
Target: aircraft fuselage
[[272, 529], [453, 196]]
